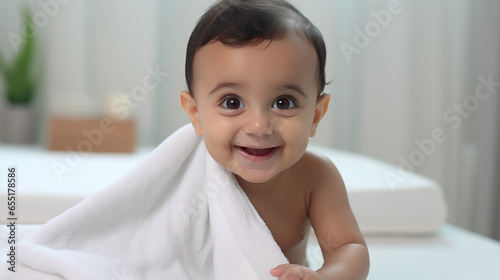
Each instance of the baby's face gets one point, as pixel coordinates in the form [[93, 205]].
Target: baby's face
[[256, 105]]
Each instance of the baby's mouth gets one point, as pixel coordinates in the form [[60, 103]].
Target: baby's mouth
[[257, 152]]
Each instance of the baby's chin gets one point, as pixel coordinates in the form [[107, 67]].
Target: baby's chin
[[257, 178], [253, 179]]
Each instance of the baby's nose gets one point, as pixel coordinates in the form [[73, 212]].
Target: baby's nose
[[259, 123]]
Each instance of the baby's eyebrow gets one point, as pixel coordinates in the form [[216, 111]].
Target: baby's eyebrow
[[295, 88], [233, 85], [224, 85]]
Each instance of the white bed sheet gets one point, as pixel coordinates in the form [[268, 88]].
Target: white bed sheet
[[451, 253]]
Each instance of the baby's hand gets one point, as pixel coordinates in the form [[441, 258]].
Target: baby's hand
[[295, 272]]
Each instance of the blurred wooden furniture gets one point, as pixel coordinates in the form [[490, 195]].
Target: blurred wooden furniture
[[92, 135]]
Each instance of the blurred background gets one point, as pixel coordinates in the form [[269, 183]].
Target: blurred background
[[414, 83]]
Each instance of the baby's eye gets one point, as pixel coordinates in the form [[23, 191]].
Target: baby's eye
[[232, 103], [284, 103]]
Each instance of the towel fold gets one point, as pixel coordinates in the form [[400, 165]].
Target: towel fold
[[177, 215]]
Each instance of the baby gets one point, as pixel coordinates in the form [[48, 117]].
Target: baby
[[255, 72]]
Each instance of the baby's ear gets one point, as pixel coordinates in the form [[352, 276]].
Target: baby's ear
[[189, 105], [319, 111]]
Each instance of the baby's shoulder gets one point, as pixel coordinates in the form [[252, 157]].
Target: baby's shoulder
[[318, 169]]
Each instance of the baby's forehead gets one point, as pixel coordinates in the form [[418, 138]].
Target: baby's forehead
[[285, 60], [295, 46]]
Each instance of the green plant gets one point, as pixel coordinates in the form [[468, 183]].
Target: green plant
[[18, 79]]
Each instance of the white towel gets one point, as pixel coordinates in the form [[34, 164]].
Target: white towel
[[177, 215]]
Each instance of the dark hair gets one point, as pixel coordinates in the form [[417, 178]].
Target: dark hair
[[246, 22]]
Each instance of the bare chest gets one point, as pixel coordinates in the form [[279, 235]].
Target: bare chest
[[289, 224]]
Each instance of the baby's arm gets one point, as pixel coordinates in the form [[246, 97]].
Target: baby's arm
[[342, 244]]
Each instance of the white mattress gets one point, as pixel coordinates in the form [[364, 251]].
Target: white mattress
[[51, 182], [414, 205]]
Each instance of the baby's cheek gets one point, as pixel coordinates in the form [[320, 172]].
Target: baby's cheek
[[233, 166], [280, 124]]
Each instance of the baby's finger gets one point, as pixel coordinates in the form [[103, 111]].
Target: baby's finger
[[292, 272], [279, 270]]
